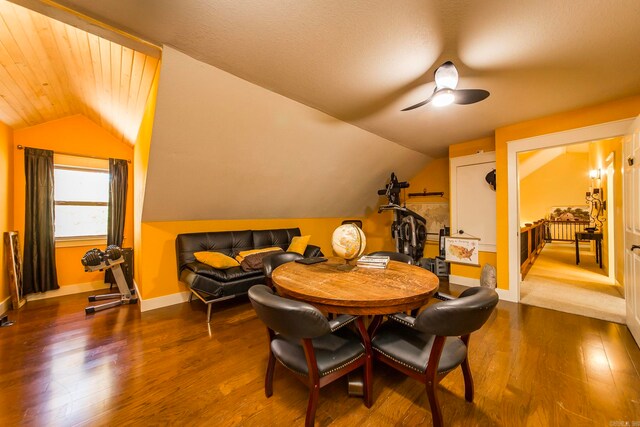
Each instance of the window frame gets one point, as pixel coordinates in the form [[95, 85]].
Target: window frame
[[87, 239]]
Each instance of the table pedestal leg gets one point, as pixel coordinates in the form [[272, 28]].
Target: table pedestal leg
[[577, 252], [355, 378], [356, 383]]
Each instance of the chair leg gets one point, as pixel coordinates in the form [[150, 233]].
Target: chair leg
[[314, 394], [268, 380], [209, 313], [190, 296], [468, 380], [436, 414]]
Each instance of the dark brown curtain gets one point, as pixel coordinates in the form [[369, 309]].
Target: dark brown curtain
[[39, 264], [118, 174]]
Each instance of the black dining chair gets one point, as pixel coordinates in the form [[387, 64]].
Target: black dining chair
[[435, 342], [273, 261], [394, 256], [317, 350]]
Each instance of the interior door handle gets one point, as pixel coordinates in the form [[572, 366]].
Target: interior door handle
[[635, 247]]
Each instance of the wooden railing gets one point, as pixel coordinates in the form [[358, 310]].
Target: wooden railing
[[532, 240], [563, 231]]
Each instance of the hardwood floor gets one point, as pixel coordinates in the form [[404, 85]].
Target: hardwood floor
[[531, 366]]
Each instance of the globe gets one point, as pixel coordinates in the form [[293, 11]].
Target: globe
[[348, 241]]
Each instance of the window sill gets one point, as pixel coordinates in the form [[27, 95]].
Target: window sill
[[71, 243]]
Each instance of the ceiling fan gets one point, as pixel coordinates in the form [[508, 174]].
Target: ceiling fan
[[445, 92]]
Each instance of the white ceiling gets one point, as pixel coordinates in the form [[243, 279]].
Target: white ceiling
[[363, 61]]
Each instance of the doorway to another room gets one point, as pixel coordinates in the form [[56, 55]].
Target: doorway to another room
[[564, 192]]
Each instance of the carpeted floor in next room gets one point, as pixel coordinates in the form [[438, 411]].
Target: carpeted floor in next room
[[556, 282]]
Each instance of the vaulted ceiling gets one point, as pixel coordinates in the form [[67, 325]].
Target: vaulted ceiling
[[50, 70], [363, 61]]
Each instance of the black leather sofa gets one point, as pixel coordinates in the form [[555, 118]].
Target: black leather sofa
[[211, 284]]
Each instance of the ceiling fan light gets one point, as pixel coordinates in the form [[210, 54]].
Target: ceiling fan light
[[443, 98], [446, 76]]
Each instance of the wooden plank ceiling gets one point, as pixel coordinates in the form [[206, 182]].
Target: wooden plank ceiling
[[50, 70]]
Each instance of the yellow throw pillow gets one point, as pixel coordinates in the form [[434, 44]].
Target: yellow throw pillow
[[242, 254], [299, 244], [216, 259]]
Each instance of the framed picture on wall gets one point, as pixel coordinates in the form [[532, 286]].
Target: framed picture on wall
[[462, 250], [436, 214]]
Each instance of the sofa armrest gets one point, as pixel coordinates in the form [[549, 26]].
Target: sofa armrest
[[312, 251]]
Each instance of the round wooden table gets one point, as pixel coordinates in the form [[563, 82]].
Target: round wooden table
[[361, 291], [399, 287]]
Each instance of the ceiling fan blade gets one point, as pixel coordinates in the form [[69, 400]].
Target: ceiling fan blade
[[419, 104], [470, 96]]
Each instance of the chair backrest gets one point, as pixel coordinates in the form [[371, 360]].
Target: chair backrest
[[460, 316], [395, 256], [273, 261], [291, 318]]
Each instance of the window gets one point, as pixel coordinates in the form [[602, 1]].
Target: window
[[81, 202]]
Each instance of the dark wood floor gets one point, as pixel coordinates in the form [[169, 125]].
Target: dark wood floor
[[531, 366]]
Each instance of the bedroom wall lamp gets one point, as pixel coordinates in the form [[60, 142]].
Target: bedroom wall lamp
[[594, 173]]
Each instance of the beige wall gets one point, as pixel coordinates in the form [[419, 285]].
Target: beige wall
[[224, 154], [224, 148], [6, 201], [561, 182]]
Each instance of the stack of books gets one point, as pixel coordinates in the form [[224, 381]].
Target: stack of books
[[375, 261]]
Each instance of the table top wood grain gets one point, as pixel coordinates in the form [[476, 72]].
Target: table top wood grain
[[399, 287]]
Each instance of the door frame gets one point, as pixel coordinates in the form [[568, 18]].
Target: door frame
[[609, 168], [572, 136]]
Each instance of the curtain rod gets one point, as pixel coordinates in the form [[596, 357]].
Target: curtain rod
[[20, 147]]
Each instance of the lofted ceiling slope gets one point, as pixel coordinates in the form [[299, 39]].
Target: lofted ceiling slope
[[363, 61], [50, 70], [224, 148]]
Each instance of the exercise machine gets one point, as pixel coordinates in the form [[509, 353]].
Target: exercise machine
[[110, 259], [409, 229]]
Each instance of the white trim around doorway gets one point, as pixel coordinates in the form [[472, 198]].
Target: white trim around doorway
[[568, 137]]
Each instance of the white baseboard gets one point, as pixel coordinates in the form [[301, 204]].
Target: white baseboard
[[5, 306], [508, 295], [163, 301], [464, 281], [504, 294], [70, 289]]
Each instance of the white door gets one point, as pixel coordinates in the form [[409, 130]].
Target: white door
[[473, 202], [631, 170]]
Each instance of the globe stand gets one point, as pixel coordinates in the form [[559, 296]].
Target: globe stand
[[347, 266]]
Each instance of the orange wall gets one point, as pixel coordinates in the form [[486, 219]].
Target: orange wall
[[603, 113], [466, 149], [79, 136], [598, 153], [377, 226], [561, 182], [6, 200], [159, 275], [141, 166], [434, 177]]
